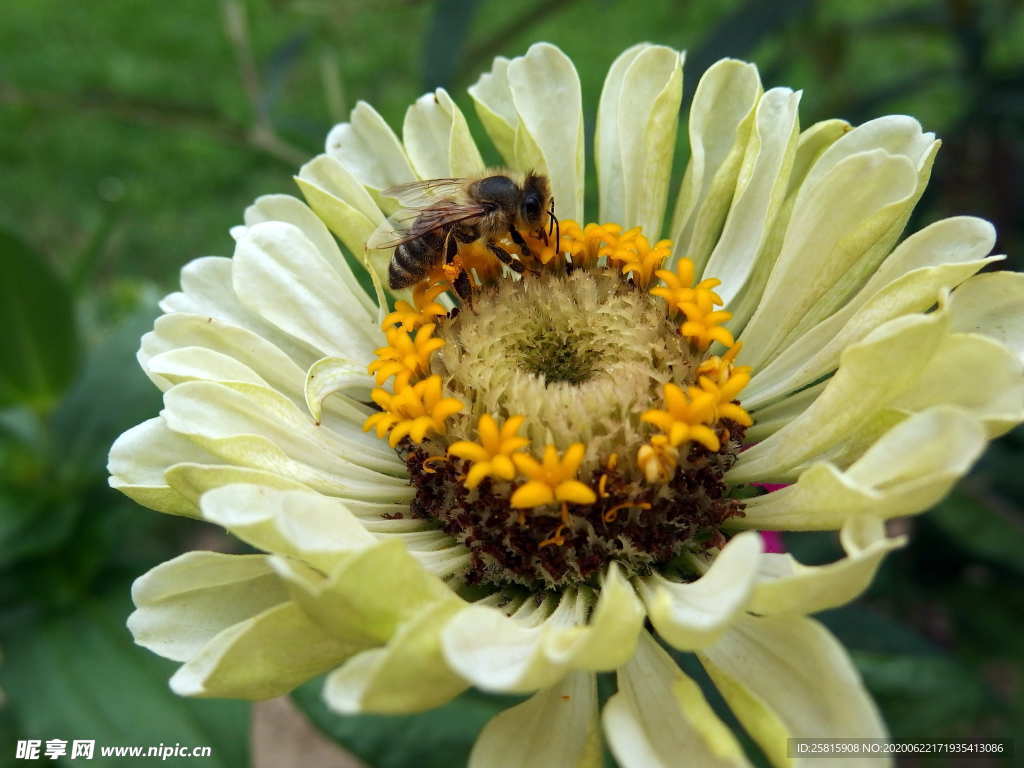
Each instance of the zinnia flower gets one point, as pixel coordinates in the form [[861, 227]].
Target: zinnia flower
[[559, 480]]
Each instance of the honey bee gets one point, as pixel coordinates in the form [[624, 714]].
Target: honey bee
[[438, 214]]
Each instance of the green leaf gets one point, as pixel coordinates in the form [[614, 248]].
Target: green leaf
[[39, 352], [984, 524], [438, 738], [78, 676]]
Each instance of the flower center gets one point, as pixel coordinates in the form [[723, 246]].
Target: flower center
[[569, 418]]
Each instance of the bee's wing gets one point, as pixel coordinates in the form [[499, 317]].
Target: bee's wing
[[427, 192]]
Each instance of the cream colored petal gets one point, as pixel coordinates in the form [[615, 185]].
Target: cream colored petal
[[557, 726], [340, 602], [279, 273], [207, 290], [787, 677], [721, 118], [938, 257], [193, 480], [833, 225], [694, 615], [184, 603], [316, 529], [772, 418], [811, 144], [369, 149], [519, 654], [291, 210], [437, 139], [872, 373], [549, 136], [260, 658], [992, 305], [760, 190], [409, 674], [659, 715], [200, 364], [259, 428], [248, 348], [492, 98], [900, 136], [636, 135], [139, 458], [975, 373], [335, 375], [787, 586], [906, 471]]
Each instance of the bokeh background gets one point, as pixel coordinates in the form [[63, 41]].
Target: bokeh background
[[134, 133]]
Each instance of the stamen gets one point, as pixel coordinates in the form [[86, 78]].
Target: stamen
[[611, 514], [426, 464], [657, 459]]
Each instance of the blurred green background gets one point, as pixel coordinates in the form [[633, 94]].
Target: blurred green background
[[134, 133]]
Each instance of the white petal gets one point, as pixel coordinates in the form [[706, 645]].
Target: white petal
[[788, 586], [832, 227], [368, 148], [316, 529], [437, 138], [992, 305], [409, 674], [200, 364], [492, 98], [291, 210], [659, 715], [335, 375], [975, 373], [208, 290], [533, 649], [694, 615], [872, 373], [549, 136], [787, 677], [340, 602], [636, 133], [556, 727], [760, 190], [139, 458], [721, 117], [259, 428], [910, 468], [938, 257], [261, 657], [279, 273]]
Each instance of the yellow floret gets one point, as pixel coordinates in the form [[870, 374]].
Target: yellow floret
[[493, 455], [405, 355], [414, 411], [553, 479]]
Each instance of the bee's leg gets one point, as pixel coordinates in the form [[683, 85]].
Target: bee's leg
[[506, 258], [451, 248], [463, 287], [519, 240]]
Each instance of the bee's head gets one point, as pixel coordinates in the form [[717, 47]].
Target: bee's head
[[535, 201]]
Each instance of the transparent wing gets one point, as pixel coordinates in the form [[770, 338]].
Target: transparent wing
[[427, 192], [409, 223]]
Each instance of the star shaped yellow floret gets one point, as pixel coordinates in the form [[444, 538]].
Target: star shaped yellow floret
[[553, 479], [414, 411], [406, 355], [687, 417], [493, 455], [703, 322], [424, 309], [635, 254], [585, 246]]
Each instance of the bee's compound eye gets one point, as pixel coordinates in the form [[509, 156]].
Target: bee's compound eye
[[531, 206]]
